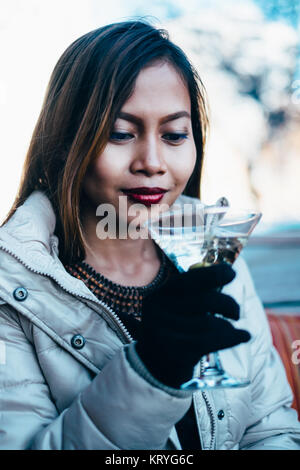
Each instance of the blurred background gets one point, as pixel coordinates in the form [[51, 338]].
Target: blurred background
[[247, 53]]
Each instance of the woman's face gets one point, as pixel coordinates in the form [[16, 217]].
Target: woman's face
[[151, 152]]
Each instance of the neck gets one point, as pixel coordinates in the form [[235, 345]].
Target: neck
[[121, 260]]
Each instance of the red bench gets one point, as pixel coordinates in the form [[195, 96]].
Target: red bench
[[285, 331]]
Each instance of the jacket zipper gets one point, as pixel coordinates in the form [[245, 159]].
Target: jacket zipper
[[109, 314], [210, 411]]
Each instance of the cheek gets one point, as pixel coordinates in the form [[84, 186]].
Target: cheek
[[95, 183], [106, 169], [183, 166]]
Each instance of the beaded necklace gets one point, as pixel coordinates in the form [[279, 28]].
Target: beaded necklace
[[124, 300]]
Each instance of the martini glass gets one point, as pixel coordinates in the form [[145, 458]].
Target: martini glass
[[200, 237]]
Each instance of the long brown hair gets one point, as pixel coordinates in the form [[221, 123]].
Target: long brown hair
[[92, 80]]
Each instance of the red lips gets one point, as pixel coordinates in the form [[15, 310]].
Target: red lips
[[145, 195]]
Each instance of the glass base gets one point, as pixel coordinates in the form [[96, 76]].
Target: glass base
[[214, 379]]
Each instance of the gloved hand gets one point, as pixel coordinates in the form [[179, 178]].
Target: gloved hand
[[179, 326]]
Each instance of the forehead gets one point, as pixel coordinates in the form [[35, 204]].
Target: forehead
[[158, 88]]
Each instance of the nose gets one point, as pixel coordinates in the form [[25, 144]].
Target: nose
[[149, 158]]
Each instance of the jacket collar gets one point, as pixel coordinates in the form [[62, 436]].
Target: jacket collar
[[33, 222], [29, 237]]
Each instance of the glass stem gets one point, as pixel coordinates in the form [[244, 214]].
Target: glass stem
[[213, 363]]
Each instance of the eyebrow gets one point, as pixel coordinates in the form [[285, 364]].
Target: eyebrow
[[136, 120]]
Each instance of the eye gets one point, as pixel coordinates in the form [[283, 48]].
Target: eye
[[174, 137], [120, 136]]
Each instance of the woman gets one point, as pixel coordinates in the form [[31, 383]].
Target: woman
[[100, 332]]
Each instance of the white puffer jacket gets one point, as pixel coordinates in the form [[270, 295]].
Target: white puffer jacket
[[56, 393]]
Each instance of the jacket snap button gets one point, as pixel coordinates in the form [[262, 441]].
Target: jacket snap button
[[221, 414], [20, 293], [78, 341]]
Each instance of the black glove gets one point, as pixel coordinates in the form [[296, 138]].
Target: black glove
[[178, 325]]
